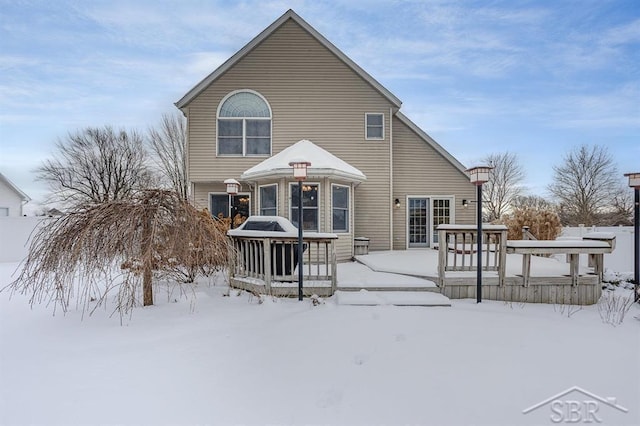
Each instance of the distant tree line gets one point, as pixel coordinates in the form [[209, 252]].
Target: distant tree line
[[586, 189]]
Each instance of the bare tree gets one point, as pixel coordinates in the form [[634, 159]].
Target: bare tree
[[584, 185], [120, 246], [532, 201], [503, 185], [168, 143], [96, 165]]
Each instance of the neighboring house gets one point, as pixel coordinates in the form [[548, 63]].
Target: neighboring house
[[290, 93], [11, 198]]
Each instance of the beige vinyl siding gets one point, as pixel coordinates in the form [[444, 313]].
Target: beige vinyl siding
[[419, 170], [313, 95]]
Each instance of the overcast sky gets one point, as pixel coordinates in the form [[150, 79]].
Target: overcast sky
[[536, 78]]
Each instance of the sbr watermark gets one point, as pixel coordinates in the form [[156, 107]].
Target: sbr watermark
[[575, 405]]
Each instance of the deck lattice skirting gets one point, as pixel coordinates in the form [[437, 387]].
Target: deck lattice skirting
[[457, 252]]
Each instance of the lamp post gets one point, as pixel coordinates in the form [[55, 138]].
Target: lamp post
[[478, 176], [233, 186], [300, 174], [634, 182]]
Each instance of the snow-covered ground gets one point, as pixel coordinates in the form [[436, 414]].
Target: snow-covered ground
[[230, 360]]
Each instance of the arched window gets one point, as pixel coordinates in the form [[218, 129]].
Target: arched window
[[244, 125]]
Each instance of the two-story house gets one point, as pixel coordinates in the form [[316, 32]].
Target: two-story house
[[291, 94]]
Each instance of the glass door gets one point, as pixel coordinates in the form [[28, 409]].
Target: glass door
[[418, 220]]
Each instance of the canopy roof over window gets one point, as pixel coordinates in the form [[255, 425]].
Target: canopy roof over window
[[323, 163]]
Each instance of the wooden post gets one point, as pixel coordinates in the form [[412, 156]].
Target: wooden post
[[526, 269], [442, 255], [502, 267], [574, 263], [268, 259]]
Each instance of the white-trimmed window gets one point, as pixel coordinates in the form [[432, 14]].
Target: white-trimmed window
[[269, 200], [340, 208], [374, 126], [309, 205], [219, 205], [244, 125]]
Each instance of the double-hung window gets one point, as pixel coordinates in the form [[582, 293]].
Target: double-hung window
[[244, 125], [340, 208], [269, 200], [309, 206], [374, 126]]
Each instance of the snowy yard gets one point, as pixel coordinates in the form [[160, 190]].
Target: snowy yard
[[230, 360]]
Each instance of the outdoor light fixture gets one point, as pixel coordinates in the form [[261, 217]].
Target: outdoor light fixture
[[300, 174], [478, 176], [397, 202], [634, 182], [465, 204], [233, 186]]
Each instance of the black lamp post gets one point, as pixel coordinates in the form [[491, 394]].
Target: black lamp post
[[233, 186], [300, 174], [478, 176], [634, 182]]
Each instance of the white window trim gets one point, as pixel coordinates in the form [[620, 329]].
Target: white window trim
[[244, 125], [431, 198], [452, 212], [366, 133], [348, 230], [260, 197], [293, 185]]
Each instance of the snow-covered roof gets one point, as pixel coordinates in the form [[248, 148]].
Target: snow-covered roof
[[323, 163], [25, 198], [290, 14]]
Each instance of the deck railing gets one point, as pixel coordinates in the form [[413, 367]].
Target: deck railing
[[457, 249], [274, 261]]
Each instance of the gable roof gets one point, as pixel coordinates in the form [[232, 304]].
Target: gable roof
[[429, 140], [290, 14], [323, 163], [14, 188]]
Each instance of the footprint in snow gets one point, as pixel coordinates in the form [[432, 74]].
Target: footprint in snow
[[330, 398], [360, 359], [400, 337]]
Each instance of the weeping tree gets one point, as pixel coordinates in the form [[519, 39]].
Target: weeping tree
[[121, 246]]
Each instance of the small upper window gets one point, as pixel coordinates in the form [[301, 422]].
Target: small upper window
[[374, 124], [244, 125]]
